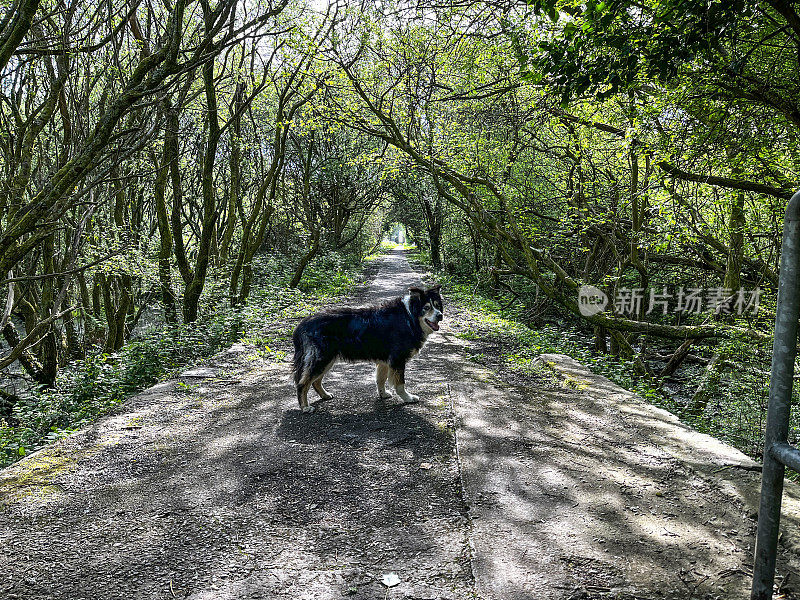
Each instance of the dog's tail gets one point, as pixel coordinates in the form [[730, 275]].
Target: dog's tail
[[299, 367]]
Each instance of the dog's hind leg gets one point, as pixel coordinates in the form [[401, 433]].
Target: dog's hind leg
[[316, 380], [381, 374], [303, 383], [309, 371], [302, 397]]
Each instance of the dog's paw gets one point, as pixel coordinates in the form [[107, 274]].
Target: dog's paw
[[384, 394], [411, 399], [308, 409], [326, 397]]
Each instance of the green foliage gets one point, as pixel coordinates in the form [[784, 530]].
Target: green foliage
[[417, 254], [608, 47], [330, 275], [738, 396]]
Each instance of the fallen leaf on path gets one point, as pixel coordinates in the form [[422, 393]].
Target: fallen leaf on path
[[425, 465], [390, 579]]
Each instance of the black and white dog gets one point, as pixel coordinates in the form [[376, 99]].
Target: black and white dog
[[388, 335]]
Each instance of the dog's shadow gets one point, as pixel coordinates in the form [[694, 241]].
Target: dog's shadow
[[388, 424]]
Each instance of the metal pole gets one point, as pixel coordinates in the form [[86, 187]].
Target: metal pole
[[784, 347]]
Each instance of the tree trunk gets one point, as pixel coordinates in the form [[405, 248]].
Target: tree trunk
[[124, 281], [111, 313], [476, 248], [49, 346], [165, 235], [125, 303], [176, 221], [736, 225], [98, 282], [626, 350], [600, 344], [194, 289], [27, 359], [301, 267], [234, 190], [7, 404], [85, 312], [75, 348], [675, 361], [703, 393], [433, 221], [436, 246]]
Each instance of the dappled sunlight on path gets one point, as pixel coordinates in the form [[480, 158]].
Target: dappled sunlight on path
[[593, 493], [213, 486]]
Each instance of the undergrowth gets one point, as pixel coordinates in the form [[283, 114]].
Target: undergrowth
[[87, 388], [529, 343]]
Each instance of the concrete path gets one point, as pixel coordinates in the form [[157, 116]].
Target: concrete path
[[593, 493], [214, 486]]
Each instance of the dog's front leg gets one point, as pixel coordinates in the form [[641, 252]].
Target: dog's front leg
[[399, 376], [381, 374]]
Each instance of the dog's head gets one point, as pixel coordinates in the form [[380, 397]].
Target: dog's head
[[426, 305]]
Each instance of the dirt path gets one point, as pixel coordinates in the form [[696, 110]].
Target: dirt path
[[214, 486]]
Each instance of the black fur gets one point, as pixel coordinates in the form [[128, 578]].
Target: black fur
[[383, 334]]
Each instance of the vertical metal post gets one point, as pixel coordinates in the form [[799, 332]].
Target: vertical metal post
[[784, 348]]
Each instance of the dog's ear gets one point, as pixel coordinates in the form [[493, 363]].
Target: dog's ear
[[415, 296], [437, 288]]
